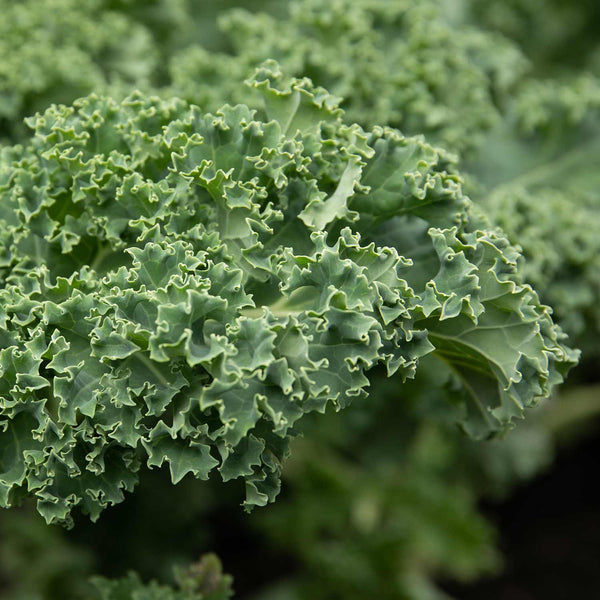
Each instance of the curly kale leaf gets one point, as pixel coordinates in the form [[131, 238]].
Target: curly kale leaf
[[179, 287]]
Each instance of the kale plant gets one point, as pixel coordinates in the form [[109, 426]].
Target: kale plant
[[184, 287], [189, 283]]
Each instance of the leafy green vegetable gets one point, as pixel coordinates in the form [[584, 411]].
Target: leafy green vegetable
[[184, 287], [181, 289]]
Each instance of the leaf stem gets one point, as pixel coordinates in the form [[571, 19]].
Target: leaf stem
[[99, 258]]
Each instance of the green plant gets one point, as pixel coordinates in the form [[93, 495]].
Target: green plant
[[184, 287], [187, 289], [204, 580]]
